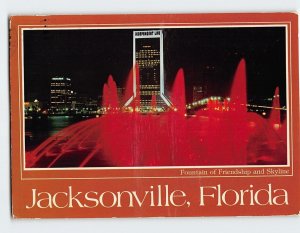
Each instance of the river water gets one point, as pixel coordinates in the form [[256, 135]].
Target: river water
[[38, 129]]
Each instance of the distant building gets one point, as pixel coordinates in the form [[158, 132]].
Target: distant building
[[32, 107], [61, 95], [198, 93], [85, 105], [120, 93]]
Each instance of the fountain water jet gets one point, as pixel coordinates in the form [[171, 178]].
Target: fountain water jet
[[237, 116]]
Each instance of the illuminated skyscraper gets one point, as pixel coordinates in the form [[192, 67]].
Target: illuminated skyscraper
[[61, 95], [148, 56]]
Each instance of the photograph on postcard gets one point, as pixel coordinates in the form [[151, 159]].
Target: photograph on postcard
[[167, 96]]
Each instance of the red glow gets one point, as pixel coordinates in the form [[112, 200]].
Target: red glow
[[123, 138]]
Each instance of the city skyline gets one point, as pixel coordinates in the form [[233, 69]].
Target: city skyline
[[205, 54]]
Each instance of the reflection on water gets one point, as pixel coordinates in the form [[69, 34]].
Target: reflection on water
[[38, 129]]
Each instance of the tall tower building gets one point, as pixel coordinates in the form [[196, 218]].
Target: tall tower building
[[148, 56], [61, 95]]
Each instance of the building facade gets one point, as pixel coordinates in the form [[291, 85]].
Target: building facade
[[198, 93], [61, 95], [148, 56]]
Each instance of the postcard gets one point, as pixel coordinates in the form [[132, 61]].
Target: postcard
[[169, 115]]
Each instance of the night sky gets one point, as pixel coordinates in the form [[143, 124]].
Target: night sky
[[207, 55]]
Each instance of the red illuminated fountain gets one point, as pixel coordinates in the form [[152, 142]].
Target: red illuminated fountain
[[220, 134]]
